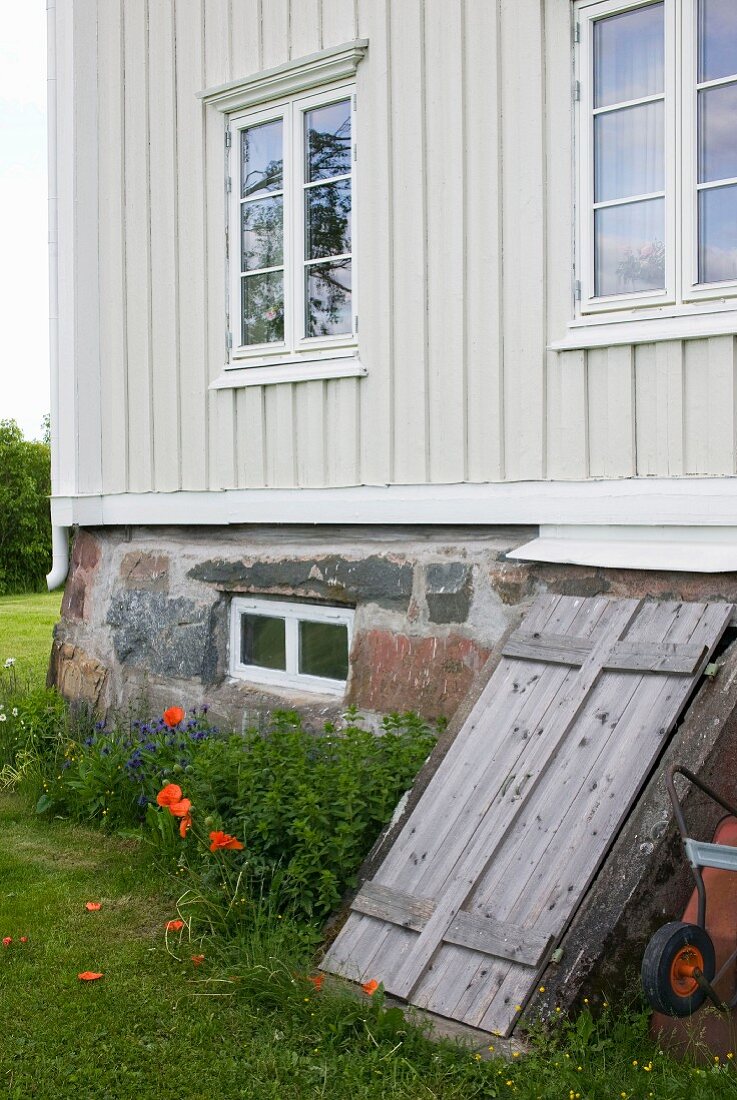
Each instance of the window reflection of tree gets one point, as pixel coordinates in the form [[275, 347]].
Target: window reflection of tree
[[327, 230]]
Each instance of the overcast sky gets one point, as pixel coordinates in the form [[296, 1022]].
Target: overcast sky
[[24, 298]]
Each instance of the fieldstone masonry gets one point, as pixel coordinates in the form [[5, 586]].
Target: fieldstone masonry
[[150, 607]]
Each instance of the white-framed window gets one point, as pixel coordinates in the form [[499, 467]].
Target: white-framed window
[[294, 645], [657, 157], [291, 230]]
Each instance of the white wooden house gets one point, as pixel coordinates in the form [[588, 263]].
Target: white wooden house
[[371, 319]]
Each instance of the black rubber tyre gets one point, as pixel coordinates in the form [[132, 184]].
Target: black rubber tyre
[[667, 947]]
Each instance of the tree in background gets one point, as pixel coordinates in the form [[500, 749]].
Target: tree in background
[[25, 521]]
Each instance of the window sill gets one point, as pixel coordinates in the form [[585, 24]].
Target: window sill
[[300, 370], [687, 323]]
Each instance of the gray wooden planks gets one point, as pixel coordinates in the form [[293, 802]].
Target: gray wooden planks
[[500, 849]]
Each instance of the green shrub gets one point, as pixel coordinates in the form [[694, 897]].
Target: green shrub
[[308, 807], [25, 523]]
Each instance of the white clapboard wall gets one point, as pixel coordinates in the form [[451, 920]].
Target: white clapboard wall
[[486, 873]]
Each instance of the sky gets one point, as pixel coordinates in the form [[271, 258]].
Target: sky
[[24, 297]]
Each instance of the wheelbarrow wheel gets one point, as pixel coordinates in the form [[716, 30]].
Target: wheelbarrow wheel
[[673, 954]]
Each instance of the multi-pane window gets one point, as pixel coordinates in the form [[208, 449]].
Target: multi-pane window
[[291, 228], [292, 645], [657, 151]]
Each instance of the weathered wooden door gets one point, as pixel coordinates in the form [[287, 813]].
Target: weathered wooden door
[[499, 851]]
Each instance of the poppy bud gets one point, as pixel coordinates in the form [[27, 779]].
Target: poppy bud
[[209, 820], [177, 768]]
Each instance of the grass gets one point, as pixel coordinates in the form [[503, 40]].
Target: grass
[[26, 624], [247, 1024]]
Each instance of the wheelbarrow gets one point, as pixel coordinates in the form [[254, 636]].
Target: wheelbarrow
[[679, 965]]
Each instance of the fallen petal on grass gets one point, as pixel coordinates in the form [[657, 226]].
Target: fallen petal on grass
[[89, 976], [197, 960], [7, 940], [174, 925], [92, 906]]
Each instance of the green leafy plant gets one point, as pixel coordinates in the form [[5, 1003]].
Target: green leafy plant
[[25, 523]]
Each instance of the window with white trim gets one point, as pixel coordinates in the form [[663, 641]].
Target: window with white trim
[[293, 645], [657, 153], [291, 230]]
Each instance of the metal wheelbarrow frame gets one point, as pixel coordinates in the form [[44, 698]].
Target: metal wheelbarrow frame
[[679, 964]]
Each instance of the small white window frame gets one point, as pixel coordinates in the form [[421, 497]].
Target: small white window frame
[[296, 348], [683, 299], [292, 614]]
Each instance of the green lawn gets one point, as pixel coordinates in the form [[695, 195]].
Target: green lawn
[[247, 1023], [26, 624]]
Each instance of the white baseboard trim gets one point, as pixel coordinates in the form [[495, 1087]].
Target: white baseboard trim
[[686, 503], [680, 549]]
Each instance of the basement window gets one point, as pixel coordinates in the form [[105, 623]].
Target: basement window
[[293, 645]]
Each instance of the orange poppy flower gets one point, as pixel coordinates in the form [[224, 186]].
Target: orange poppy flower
[[92, 906], [198, 960], [174, 925], [7, 940], [224, 840], [180, 809], [370, 987], [173, 716], [317, 980], [169, 795], [184, 825], [89, 976]]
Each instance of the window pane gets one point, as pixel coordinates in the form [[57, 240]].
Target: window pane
[[328, 299], [263, 642], [718, 133], [717, 39], [262, 303], [328, 219], [323, 650], [629, 152], [261, 158], [718, 234], [261, 242], [629, 52], [630, 254], [328, 141]]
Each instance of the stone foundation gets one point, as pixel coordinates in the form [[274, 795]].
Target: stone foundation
[[145, 611]]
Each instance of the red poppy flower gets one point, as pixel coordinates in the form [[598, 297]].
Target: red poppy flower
[[224, 840], [7, 940], [169, 795], [198, 960], [180, 809], [93, 906], [370, 987], [173, 716], [89, 976], [174, 925], [184, 825], [317, 980]]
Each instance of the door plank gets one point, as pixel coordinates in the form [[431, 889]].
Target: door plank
[[407, 910], [494, 937], [480, 851]]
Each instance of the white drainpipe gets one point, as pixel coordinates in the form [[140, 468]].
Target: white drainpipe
[[59, 535]]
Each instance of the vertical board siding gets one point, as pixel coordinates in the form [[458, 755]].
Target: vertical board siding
[[137, 248], [164, 281], [192, 212], [659, 397], [523, 307], [483, 293], [87, 325], [446, 228], [568, 422], [222, 403], [410, 306], [463, 260], [375, 204], [111, 244], [611, 412]]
